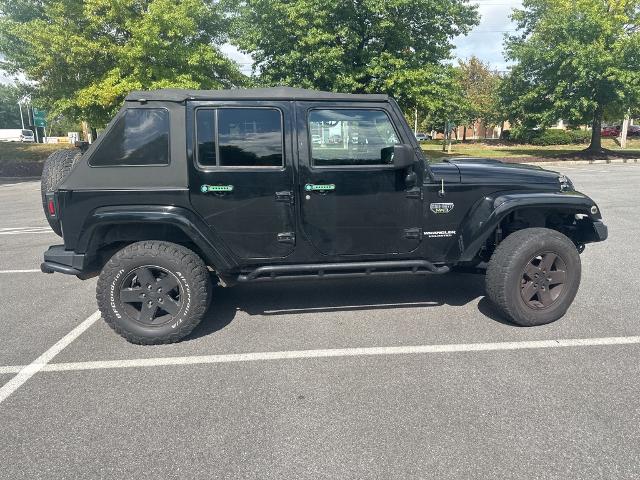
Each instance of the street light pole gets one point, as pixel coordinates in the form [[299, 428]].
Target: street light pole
[[21, 117]]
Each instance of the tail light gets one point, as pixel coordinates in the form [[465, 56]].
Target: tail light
[[51, 204]]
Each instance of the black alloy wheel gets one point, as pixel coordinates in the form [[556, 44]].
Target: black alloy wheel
[[543, 280], [152, 295]]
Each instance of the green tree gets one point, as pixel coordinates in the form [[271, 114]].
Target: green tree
[[359, 46], [575, 60], [86, 55], [480, 85], [9, 110]]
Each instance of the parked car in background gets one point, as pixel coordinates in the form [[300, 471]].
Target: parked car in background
[[421, 137], [616, 131], [16, 135], [633, 131], [610, 131]]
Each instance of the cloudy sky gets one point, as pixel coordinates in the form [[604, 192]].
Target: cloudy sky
[[485, 41]]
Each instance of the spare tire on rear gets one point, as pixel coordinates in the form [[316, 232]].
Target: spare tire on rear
[[56, 168]]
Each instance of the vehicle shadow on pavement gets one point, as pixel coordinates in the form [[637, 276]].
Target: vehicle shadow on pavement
[[489, 310], [322, 296]]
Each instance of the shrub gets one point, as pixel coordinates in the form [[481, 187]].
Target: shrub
[[551, 137]]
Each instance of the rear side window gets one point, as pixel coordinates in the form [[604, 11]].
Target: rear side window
[[239, 137], [139, 137]]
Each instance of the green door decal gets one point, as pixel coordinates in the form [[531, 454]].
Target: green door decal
[[310, 187], [216, 188]]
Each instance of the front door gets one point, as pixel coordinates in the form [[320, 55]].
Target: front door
[[353, 202], [242, 175]]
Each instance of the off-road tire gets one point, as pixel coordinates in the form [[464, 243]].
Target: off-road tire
[[185, 266], [506, 280], [56, 168]]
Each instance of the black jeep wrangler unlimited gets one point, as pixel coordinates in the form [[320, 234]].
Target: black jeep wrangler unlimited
[[260, 185]]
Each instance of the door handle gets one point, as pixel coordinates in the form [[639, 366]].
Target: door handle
[[217, 189], [320, 187]]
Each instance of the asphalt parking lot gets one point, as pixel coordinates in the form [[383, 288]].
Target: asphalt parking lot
[[385, 378]]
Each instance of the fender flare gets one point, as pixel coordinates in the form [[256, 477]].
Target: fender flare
[[487, 214], [189, 223]]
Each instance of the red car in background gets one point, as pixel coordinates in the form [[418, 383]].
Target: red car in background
[[612, 131], [616, 130]]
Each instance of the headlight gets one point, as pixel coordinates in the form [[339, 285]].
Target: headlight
[[566, 185]]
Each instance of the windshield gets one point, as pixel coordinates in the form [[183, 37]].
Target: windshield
[[27, 133]]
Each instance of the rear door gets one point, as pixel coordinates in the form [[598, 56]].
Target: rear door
[[242, 176], [352, 200]]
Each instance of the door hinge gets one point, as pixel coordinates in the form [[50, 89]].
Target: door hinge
[[287, 237], [413, 233], [286, 196], [415, 192]]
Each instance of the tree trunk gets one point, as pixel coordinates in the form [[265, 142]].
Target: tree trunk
[[85, 131], [444, 137], [596, 130], [464, 134]]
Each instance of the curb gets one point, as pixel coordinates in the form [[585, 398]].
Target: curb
[[619, 161]]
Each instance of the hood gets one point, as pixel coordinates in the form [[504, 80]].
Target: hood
[[489, 171]]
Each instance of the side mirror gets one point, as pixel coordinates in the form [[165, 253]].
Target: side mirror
[[402, 156]]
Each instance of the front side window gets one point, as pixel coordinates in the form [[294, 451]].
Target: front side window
[[349, 137], [139, 137], [239, 137]]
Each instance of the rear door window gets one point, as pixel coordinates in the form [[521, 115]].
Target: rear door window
[[139, 137], [239, 137]]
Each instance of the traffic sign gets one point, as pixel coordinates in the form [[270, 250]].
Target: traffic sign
[[39, 117]]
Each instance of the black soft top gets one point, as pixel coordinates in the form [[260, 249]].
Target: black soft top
[[275, 93]]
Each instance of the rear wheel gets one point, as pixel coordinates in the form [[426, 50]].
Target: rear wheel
[[533, 276], [154, 292], [56, 168]]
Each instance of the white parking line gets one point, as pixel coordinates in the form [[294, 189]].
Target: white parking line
[[24, 230], [39, 363], [34, 270], [2, 229], [11, 369], [31, 183], [338, 352]]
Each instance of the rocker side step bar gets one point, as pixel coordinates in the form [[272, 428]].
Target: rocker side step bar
[[340, 270]]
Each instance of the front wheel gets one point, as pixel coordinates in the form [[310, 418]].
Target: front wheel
[[153, 292], [533, 276]]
